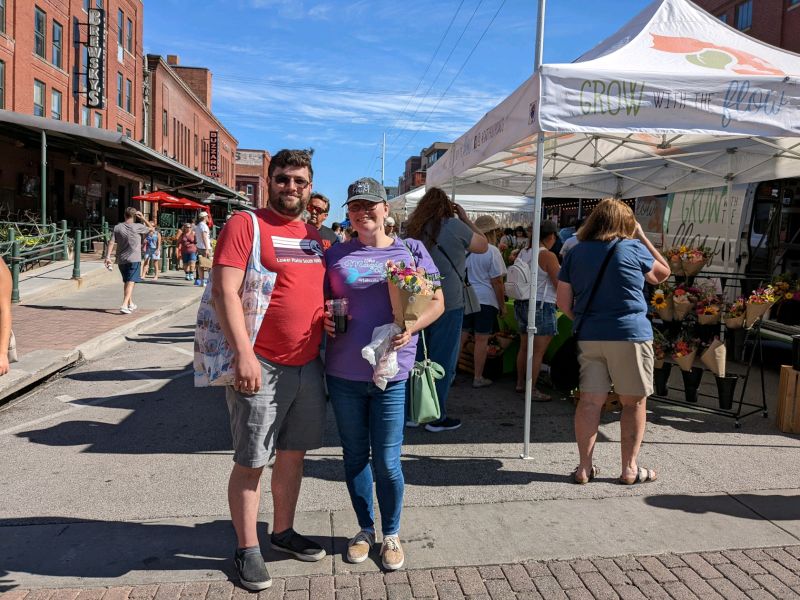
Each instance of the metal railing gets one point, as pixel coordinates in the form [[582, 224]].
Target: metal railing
[[24, 244]]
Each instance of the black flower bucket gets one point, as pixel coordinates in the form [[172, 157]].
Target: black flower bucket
[[691, 383], [661, 379], [726, 388]]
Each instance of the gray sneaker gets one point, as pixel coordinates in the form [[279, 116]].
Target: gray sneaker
[[252, 571]]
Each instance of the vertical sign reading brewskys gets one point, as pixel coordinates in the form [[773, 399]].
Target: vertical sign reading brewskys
[[213, 152], [95, 46]]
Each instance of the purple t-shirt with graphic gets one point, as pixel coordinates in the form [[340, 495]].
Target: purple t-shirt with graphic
[[358, 273]]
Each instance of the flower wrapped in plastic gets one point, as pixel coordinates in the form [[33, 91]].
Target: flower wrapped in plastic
[[758, 303], [410, 292], [684, 351], [714, 357], [734, 314]]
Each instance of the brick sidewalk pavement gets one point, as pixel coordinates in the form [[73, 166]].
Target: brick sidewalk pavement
[[728, 575]]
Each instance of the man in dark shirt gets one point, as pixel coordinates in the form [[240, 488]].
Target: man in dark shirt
[[318, 207]]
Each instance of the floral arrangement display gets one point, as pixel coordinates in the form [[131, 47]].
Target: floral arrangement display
[[410, 291], [786, 287], [684, 299], [694, 259], [734, 314], [758, 303], [714, 357], [709, 309], [684, 351], [673, 256], [661, 348], [662, 302]]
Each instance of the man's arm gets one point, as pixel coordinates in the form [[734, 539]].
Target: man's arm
[[228, 305], [109, 252]]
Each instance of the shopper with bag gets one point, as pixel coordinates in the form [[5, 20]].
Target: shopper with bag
[[448, 234], [600, 288], [370, 419], [259, 328]]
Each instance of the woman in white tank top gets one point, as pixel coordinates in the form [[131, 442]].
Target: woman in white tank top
[[547, 281]]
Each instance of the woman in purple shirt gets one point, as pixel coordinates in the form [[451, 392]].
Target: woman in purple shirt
[[371, 420]]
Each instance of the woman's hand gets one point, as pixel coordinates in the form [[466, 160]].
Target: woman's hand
[[4, 364], [638, 232], [462, 214], [330, 328], [401, 339]]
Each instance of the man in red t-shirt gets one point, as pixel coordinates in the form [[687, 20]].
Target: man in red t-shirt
[[277, 403]]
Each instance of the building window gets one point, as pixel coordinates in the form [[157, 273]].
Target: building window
[[99, 3], [98, 120], [40, 32], [120, 26], [55, 104], [119, 90], [165, 123], [58, 38], [85, 115], [2, 16], [38, 98], [723, 17], [128, 133], [129, 35], [2, 84], [86, 5], [250, 189], [128, 96], [119, 128], [744, 15]]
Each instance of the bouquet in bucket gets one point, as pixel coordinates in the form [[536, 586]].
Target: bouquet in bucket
[[410, 292], [734, 315], [662, 302], [662, 348], [673, 256], [709, 309], [684, 299], [714, 357], [786, 287], [694, 259], [684, 351], [758, 304]]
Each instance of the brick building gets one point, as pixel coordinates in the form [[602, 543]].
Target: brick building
[[179, 121], [416, 166], [776, 22], [251, 175]]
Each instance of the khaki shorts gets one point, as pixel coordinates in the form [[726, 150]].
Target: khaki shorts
[[628, 365], [287, 413]]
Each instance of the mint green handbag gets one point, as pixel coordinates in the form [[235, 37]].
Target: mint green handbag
[[422, 388]]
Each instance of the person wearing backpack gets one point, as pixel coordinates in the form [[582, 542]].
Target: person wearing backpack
[[518, 287]]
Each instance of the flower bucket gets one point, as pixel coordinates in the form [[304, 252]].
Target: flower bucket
[[685, 362], [726, 387], [708, 319], [667, 313], [682, 309], [691, 383], [676, 266], [754, 312], [734, 322], [661, 379], [691, 267]]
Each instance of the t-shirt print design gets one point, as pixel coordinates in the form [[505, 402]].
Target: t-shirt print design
[[293, 250], [362, 271]]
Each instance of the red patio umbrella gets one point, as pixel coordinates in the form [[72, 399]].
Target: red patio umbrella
[[157, 197]]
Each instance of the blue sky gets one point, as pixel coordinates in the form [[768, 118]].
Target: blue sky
[[335, 74]]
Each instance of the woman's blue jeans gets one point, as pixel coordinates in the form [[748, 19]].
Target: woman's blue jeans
[[371, 419], [443, 337]]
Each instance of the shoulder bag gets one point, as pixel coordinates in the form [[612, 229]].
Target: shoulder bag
[[471, 302], [212, 355], [424, 402]]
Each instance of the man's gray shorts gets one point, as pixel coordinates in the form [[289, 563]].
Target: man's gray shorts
[[287, 413]]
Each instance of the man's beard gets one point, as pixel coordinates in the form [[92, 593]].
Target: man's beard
[[285, 204]]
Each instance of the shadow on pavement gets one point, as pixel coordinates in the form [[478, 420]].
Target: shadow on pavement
[[110, 311], [773, 507]]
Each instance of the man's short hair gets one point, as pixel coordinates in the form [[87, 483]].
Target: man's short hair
[[322, 197], [130, 212], [292, 158], [336, 226]]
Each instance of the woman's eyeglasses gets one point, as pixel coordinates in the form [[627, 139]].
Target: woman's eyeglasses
[[299, 182], [362, 207]]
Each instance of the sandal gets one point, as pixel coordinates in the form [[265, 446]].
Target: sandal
[[642, 476], [593, 472]]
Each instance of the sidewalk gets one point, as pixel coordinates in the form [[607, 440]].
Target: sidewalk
[[61, 321]]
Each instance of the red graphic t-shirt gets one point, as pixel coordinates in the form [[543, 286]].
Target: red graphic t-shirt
[[292, 328]]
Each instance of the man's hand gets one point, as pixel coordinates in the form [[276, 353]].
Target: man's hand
[[247, 372]]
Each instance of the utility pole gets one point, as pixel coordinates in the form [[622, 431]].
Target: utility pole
[[383, 157]]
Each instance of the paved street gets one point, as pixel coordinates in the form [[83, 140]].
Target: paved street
[[118, 469]]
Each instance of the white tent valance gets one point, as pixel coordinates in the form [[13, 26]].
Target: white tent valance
[[505, 209], [676, 100]]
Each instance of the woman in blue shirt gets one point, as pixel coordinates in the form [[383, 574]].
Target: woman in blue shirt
[[615, 338]]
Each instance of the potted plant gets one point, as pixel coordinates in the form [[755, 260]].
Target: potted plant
[[734, 314], [662, 302], [661, 369], [758, 303], [694, 259]]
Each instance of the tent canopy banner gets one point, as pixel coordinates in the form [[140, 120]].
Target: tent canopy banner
[[674, 101]]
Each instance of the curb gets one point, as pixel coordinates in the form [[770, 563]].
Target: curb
[[41, 364], [88, 280]]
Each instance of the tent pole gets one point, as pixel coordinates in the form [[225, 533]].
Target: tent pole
[[728, 204], [537, 217]]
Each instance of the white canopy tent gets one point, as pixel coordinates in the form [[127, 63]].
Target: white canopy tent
[[674, 101], [505, 209]]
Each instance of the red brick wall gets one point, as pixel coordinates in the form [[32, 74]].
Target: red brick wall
[[773, 21], [199, 80], [187, 119], [253, 174], [23, 65]]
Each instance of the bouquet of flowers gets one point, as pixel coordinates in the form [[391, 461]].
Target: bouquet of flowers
[[661, 348], [709, 310], [662, 302], [786, 287], [758, 304], [714, 357], [410, 292], [684, 351], [694, 259], [684, 299], [734, 315], [673, 256]]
